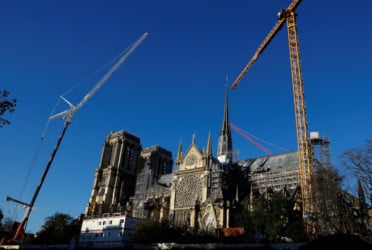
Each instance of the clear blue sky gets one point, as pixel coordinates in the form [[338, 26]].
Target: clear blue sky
[[172, 86]]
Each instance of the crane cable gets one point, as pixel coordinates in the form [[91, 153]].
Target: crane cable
[[264, 141], [30, 168], [95, 72], [33, 162], [250, 137]]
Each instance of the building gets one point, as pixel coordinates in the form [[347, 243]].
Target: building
[[202, 191], [115, 178], [152, 193]]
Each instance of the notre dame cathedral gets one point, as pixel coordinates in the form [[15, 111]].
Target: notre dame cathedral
[[203, 190]]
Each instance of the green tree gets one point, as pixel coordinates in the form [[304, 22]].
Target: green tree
[[274, 216], [7, 104], [242, 218], [150, 231], [9, 225], [1, 218], [259, 214], [277, 215], [59, 228], [1, 224]]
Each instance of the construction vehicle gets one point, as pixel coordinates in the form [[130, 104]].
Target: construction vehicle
[[67, 116], [304, 147]]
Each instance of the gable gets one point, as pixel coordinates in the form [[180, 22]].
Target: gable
[[192, 159]]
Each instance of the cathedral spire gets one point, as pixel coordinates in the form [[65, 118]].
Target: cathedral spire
[[209, 145], [179, 153], [224, 150]]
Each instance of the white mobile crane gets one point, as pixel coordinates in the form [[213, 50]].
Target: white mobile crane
[[305, 157], [67, 115]]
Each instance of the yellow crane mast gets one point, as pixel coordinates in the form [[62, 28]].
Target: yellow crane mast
[[305, 157]]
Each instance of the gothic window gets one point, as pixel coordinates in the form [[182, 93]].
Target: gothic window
[[191, 160], [107, 153], [130, 157], [159, 167], [164, 167], [182, 217], [103, 180], [125, 152], [188, 190], [209, 223]]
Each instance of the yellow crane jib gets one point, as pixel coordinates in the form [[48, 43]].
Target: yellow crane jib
[[304, 148]]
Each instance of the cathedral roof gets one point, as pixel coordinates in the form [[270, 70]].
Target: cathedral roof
[[273, 163], [166, 179]]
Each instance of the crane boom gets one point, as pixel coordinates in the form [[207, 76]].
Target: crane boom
[[67, 114], [111, 71], [29, 207], [265, 42], [304, 148], [70, 112], [260, 49]]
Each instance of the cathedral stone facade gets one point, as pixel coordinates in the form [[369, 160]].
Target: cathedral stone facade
[[197, 192], [115, 179], [201, 193]]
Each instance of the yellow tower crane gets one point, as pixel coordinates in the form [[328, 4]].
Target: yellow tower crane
[[305, 157]]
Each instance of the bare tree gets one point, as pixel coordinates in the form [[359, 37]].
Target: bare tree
[[338, 212], [327, 185], [357, 162], [7, 104]]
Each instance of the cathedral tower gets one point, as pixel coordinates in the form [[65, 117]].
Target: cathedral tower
[[224, 149], [115, 178]]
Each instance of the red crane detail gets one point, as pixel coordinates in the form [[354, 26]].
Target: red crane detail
[[241, 132]]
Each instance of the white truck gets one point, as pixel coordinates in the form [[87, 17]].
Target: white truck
[[107, 230]]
